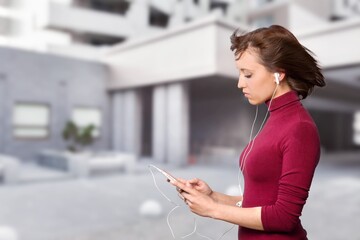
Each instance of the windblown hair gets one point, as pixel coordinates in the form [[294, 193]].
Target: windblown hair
[[279, 50]]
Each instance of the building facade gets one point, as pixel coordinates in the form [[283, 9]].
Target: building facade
[[157, 77], [40, 93]]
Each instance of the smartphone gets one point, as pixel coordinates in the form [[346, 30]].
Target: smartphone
[[166, 174]]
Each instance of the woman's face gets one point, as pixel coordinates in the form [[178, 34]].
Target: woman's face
[[255, 81]]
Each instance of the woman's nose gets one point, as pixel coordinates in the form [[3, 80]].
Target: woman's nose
[[241, 83]]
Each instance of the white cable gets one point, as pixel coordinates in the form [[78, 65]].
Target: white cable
[[194, 231], [168, 221], [261, 126], [174, 203], [157, 187], [226, 232], [251, 142], [203, 236], [246, 148], [177, 206]]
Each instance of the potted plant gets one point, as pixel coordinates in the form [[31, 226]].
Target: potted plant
[[78, 137]]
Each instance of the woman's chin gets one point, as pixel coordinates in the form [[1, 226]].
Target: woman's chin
[[253, 102]]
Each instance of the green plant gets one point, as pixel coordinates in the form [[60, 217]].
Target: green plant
[[78, 137]]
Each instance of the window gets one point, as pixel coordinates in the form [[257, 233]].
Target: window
[[357, 128], [345, 8], [84, 116], [31, 121], [264, 21], [112, 6], [158, 18], [219, 5], [259, 3]]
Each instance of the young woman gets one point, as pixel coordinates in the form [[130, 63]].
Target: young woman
[[279, 163]]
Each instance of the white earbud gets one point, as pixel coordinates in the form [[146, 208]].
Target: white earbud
[[277, 78]]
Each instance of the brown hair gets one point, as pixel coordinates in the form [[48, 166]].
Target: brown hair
[[279, 50]]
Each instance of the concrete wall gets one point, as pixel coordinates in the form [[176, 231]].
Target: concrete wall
[[320, 8], [335, 129], [83, 20], [220, 120], [219, 123], [300, 18], [179, 54], [225, 58], [323, 42], [61, 83]]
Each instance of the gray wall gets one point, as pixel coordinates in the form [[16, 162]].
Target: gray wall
[[335, 129], [220, 120], [62, 83]]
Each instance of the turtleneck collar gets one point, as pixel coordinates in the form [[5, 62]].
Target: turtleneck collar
[[283, 100]]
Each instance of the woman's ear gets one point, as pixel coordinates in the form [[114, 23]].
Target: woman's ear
[[280, 74], [277, 78]]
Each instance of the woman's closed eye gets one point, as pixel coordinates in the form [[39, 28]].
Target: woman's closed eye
[[247, 75]]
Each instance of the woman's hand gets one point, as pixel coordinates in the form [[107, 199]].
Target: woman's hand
[[200, 186], [199, 201], [196, 183]]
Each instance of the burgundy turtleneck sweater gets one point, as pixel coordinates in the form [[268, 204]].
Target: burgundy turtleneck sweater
[[279, 169]]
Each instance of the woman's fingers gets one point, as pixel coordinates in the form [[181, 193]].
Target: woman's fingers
[[194, 181], [181, 196], [187, 196], [186, 200], [181, 180], [183, 187]]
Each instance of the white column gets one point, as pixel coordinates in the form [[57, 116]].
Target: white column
[[237, 10], [190, 10], [3, 135], [178, 16], [117, 121], [204, 6], [127, 119], [138, 15], [132, 122], [177, 118], [159, 124]]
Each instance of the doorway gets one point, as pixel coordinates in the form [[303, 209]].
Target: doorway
[[146, 143]]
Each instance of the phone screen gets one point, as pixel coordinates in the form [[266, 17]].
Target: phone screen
[[166, 174]]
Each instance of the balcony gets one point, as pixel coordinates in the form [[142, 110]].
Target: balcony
[[81, 20]]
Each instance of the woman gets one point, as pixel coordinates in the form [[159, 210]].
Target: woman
[[279, 163]]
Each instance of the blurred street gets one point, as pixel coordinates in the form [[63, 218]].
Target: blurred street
[[107, 206]]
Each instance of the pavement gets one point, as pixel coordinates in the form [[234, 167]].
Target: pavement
[[56, 206]]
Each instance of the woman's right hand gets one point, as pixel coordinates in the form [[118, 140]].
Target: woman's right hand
[[200, 186]]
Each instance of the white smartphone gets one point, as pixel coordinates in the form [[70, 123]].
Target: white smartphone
[[166, 174]]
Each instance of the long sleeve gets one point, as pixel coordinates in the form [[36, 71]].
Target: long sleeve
[[300, 154]]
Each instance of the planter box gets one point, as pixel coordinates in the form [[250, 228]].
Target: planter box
[[9, 169], [83, 164]]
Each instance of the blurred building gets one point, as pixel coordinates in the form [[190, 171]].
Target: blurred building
[[157, 78]]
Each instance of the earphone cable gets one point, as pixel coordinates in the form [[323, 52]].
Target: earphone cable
[[177, 206], [252, 141]]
